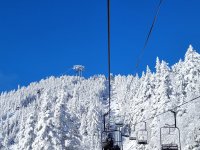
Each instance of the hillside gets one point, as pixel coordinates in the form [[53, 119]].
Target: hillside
[[66, 112]]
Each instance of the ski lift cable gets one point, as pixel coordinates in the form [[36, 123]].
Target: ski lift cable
[[148, 35], [109, 84], [196, 98]]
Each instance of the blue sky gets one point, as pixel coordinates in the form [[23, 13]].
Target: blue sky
[[43, 38]]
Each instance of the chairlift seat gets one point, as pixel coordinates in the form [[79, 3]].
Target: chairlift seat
[[125, 135], [169, 147], [142, 137], [142, 142], [119, 124], [132, 138]]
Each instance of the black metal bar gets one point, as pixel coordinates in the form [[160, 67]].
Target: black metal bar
[[109, 86], [179, 132], [122, 141], [160, 138], [145, 125], [104, 122], [175, 119]]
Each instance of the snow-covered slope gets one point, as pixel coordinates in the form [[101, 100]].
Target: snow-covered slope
[[56, 113], [66, 112]]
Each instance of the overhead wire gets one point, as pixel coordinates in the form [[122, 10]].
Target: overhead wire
[[109, 83], [142, 51], [148, 35], [109, 51], [168, 110]]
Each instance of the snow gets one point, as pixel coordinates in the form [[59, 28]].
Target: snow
[[66, 112]]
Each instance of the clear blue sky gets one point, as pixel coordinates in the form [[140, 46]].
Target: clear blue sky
[[43, 38]]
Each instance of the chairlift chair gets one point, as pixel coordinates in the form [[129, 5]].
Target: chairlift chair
[[132, 138], [119, 121], [125, 130], [111, 135], [120, 124], [106, 137], [170, 145], [142, 136], [132, 133]]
